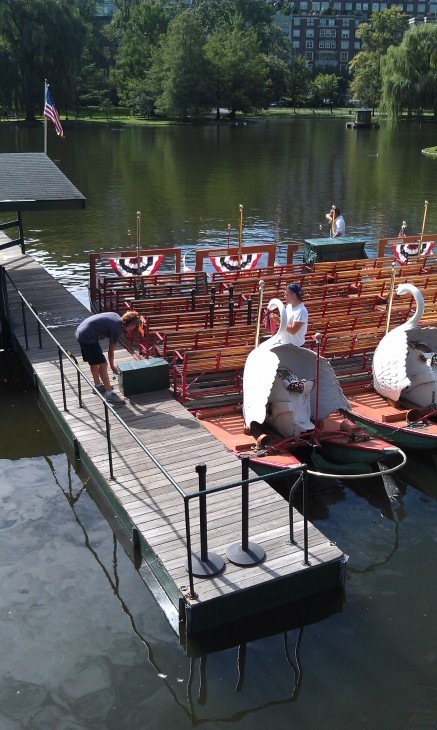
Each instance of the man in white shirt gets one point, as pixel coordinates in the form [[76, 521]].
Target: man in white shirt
[[338, 226], [297, 317]]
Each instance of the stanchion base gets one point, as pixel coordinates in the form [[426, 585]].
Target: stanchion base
[[253, 555], [206, 568]]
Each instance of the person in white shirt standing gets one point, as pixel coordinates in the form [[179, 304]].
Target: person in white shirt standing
[[297, 317], [336, 220]]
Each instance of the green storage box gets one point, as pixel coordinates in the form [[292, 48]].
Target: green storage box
[[143, 376], [343, 248]]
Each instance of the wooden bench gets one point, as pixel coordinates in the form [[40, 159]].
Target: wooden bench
[[165, 343], [112, 290], [202, 373], [186, 321]]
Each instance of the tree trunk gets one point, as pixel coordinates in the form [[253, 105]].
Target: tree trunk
[[217, 114]]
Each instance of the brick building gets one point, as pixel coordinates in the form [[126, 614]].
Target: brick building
[[325, 32]]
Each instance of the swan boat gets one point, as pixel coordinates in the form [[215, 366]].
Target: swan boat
[[401, 404], [290, 413]]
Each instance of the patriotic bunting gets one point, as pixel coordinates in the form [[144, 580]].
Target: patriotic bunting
[[129, 267]]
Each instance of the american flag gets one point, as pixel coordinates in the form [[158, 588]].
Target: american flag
[[51, 113]]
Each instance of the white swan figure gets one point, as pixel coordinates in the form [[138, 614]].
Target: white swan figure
[[405, 361], [278, 384]]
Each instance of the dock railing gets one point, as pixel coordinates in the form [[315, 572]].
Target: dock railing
[[243, 552]]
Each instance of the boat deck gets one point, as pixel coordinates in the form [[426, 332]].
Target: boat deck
[[141, 496]]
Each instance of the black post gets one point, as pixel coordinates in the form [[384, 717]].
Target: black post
[[193, 299], [23, 312], [211, 314], [231, 312], [244, 503], [245, 553], [108, 441], [39, 329], [305, 517], [213, 292], [201, 472], [61, 367], [188, 536], [206, 564]]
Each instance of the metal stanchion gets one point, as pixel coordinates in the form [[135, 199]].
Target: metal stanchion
[[61, 367], [245, 552], [206, 564]]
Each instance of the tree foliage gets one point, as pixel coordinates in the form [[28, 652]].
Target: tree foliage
[[42, 39], [409, 73], [383, 30]]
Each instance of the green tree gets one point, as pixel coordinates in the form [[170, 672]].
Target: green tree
[[299, 80], [409, 73], [326, 87], [184, 71], [384, 29], [240, 72], [148, 25], [45, 38]]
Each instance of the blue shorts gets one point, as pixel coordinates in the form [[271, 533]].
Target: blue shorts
[[92, 354]]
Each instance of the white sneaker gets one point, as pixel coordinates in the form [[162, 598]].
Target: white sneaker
[[101, 388], [114, 399]]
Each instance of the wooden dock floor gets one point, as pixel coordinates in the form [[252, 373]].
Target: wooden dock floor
[[140, 495]]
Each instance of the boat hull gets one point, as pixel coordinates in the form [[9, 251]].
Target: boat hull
[[402, 436]]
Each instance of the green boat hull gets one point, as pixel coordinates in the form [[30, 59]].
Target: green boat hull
[[405, 438]]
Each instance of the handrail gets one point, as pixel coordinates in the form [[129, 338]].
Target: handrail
[[187, 497]]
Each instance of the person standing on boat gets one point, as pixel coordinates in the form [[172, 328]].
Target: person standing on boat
[[297, 317], [336, 220], [88, 334]]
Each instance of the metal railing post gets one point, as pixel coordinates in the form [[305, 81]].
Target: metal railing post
[[231, 312], [39, 328], [207, 563], [23, 312], [305, 517], [61, 367], [290, 507], [189, 556], [108, 441], [245, 552]]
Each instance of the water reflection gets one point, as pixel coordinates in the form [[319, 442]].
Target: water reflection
[[236, 642]]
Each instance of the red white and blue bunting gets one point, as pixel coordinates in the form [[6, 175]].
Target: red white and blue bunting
[[403, 251], [129, 267], [225, 264]]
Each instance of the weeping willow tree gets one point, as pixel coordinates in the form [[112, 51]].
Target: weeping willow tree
[[409, 73]]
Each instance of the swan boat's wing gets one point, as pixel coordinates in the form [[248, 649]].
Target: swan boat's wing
[[389, 364], [259, 374]]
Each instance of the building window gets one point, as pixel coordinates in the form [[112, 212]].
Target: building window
[[327, 56], [346, 22], [310, 22], [410, 8], [322, 32], [296, 21], [309, 55], [357, 45], [345, 34], [343, 67], [304, 6], [316, 7], [296, 44], [310, 33], [344, 56], [296, 33], [344, 44], [420, 8], [309, 44], [321, 44]]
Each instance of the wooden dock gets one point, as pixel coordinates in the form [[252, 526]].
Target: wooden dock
[[140, 496]]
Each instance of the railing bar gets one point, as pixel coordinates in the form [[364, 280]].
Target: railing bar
[[108, 441], [61, 368]]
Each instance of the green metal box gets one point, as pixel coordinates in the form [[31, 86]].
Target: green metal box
[[143, 376]]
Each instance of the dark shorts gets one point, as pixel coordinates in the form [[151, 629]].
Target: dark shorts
[[92, 354]]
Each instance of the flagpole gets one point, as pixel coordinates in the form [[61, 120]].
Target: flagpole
[[45, 118]]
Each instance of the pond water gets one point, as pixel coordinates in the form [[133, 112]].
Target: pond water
[[84, 645]]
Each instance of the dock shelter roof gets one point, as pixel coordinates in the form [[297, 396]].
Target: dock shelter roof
[[32, 181]]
